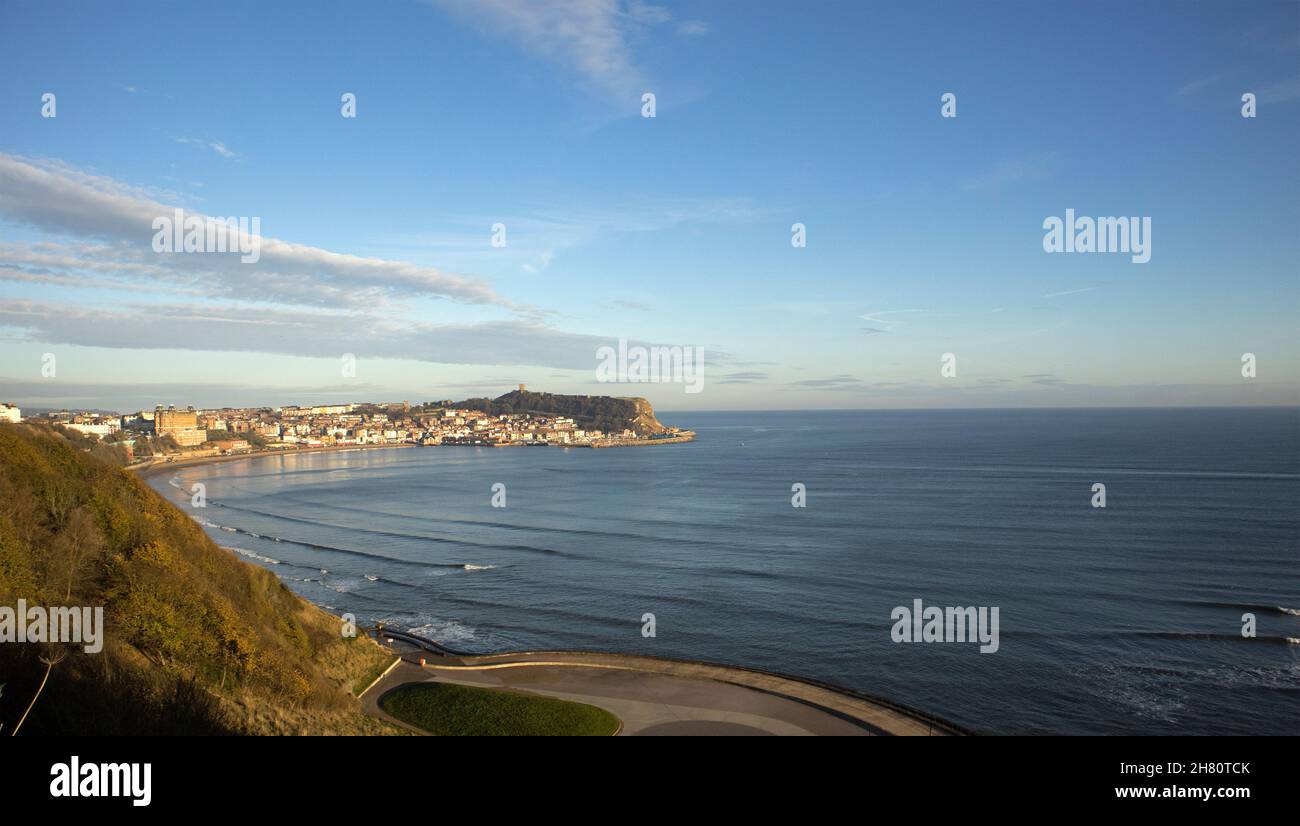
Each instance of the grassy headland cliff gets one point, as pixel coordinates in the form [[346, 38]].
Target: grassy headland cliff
[[606, 413], [195, 640]]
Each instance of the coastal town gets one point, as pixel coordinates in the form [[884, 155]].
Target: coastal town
[[168, 432]]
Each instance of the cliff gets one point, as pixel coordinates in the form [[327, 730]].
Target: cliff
[[606, 413], [195, 640]]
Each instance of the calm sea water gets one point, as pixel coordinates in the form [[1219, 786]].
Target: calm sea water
[[1126, 619]]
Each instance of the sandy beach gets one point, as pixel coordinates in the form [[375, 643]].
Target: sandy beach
[[149, 470]]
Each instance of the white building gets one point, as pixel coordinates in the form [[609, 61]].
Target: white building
[[10, 413], [101, 429]]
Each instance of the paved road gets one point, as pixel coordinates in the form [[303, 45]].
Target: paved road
[[659, 697]]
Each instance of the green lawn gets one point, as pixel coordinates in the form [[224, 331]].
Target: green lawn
[[456, 710], [371, 674]]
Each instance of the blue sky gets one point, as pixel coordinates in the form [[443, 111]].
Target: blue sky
[[924, 233]]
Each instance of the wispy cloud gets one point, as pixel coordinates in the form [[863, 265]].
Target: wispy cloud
[[648, 13], [300, 332], [216, 146], [1281, 91], [1215, 85], [114, 396], [879, 316], [54, 199], [537, 237], [588, 37], [297, 300], [593, 38], [1015, 171], [842, 381], [748, 377], [1076, 291], [1199, 85]]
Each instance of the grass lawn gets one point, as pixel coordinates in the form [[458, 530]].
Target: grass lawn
[[456, 710], [371, 674]]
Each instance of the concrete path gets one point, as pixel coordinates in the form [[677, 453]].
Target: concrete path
[[659, 697]]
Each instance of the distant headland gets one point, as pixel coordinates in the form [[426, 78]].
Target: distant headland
[[519, 418]]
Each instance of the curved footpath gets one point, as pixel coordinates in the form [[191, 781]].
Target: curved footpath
[[653, 696]]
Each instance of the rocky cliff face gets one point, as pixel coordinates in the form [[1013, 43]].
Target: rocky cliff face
[[644, 421]]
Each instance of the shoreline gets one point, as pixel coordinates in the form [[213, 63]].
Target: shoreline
[[156, 468], [879, 715], [146, 471], [681, 439]]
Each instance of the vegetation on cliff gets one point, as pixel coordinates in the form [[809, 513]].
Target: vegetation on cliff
[[605, 413], [195, 640]]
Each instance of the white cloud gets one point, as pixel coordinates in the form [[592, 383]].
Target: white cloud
[[1013, 171], [1070, 292], [877, 317], [216, 146], [54, 199], [297, 300], [648, 13], [537, 237], [313, 333], [592, 37], [1199, 85], [1281, 91]]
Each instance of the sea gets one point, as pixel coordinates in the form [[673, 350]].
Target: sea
[[1173, 609]]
